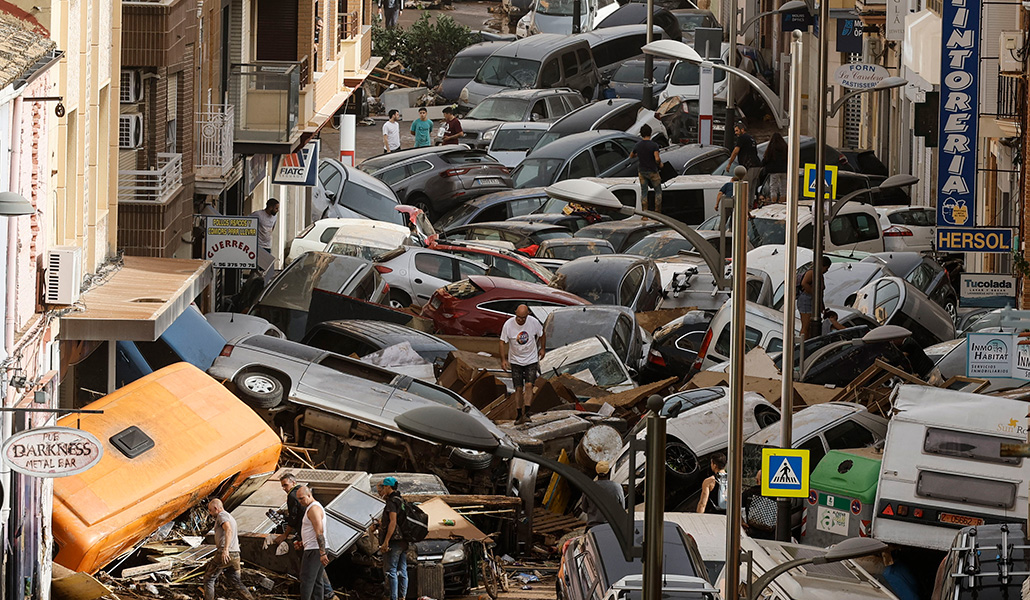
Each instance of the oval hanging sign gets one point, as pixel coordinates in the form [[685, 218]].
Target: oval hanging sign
[[52, 451], [859, 76]]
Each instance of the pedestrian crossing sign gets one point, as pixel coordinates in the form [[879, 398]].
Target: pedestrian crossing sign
[[784, 473]]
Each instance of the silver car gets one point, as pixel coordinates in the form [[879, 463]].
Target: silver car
[[341, 406], [414, 274]]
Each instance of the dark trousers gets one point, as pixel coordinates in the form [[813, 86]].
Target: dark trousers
[[312, 576], [392, 15]]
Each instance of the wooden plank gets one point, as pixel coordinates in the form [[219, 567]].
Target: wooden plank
[[161, 565], [459, 500], [78, 586]]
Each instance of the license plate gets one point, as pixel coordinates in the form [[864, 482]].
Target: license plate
[[488, 181], [435, 302], [832, 520], [960, 520]]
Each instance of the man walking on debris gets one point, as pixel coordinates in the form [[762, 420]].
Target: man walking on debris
[[227, 552], [312, 540], [294, 515], [522, 348], [393, 549]]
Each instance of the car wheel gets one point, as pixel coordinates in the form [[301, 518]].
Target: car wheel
[[399, 300], [471, 460], [680, 462], [421, 202], [949, 305], [258, 389]]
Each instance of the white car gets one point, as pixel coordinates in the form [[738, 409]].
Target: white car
[[908, 228], [313, 238], [414, 274], [368, 239], [592, 360], [555, 16]]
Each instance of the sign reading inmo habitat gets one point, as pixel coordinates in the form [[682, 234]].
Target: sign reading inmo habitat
[[997, 355]]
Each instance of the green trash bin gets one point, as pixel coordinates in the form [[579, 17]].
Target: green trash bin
[[842, 495]]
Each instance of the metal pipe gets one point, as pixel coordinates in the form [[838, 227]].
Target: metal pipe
[[736, 425], [649, 60], [654, 500], [820, 170], [789, 270], [729, 139], [12, 229]]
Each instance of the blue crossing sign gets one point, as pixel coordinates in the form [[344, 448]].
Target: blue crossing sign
[[785, 473]]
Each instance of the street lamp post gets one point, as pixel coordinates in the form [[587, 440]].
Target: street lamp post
[[582, 191], [824, 115], [849, 548]]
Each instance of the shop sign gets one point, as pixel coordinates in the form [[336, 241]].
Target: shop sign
[[231, 242], [859, 76], [987, 290], [960, 92], [52, 451], [970, 239], [299, 168]]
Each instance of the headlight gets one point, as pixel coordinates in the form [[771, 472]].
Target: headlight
[[463, 95], [455, 553], [489, 135]]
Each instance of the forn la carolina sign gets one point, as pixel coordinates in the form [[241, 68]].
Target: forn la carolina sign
[[52, 451]]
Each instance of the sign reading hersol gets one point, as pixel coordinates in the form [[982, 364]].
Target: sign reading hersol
[[231, 242], [52, 451]]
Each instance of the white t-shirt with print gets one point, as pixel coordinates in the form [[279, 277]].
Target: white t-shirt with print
[[521, 340]]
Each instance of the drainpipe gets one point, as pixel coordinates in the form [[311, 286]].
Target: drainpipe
[[12, 227]]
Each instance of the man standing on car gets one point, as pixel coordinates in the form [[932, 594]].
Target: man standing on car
[[745, 152], [312, 539], [454, 130], [422, 129], [392, 132], [294, 515], [522, 349], [646, 151], [393, 549], [227, 555]]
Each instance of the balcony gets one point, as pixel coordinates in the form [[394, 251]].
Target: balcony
[[152, 186], [1011, 97], [266, 100], [215, 129]]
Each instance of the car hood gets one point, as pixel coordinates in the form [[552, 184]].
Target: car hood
[[557, 24], [477, 92], [450, 87]]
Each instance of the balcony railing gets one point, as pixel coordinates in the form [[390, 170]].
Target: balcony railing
[[1011, 95], [152, 186], [266, 98], [350, 25], [215, 134]]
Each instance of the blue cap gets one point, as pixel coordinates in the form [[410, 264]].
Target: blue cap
[[390, 482]]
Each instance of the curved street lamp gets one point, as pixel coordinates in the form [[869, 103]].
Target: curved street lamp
[[886, 83]]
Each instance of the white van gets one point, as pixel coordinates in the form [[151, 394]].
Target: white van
[[555, 16], [686, 198], [942, 467], [856, 227]]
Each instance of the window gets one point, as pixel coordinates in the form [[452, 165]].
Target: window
[[621, 336], [484, 233], [522, 206], [816, 452], [327, 235], [608, 155], [630, 286], [330, 178], [968, 490], [331, 341], [551, 74], [435, 265], [467, 268], [569, 65], [852, 229], [964, 444], [627, 197], [774, 345], [419, 167], [392, 176], [555, 107], [685, 205], [573, 101], [539, 111], [365, 287], [848, 434], [921, 276], [491, 213], [514, 270], [752, 337], [502, 306], [586, 62], [581, 166]]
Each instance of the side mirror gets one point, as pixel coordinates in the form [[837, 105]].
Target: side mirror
[[330, 196]]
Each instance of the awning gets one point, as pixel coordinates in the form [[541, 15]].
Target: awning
[[139, 301], [921, 51]]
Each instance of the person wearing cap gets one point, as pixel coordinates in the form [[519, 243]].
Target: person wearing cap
[[607, 487], [393, 549]]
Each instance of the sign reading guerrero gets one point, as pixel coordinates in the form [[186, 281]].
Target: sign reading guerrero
[[231, 242], [960, 90], [52, 451]]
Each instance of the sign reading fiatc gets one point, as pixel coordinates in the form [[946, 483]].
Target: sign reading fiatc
[[52, 451]]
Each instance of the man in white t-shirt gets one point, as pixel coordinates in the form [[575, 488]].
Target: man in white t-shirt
[[522, 347], [392, 132]]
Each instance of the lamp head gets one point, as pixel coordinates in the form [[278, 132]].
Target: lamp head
[[853, 548], [791, 6], [890, 82], [14, 205], [899, 181], [581, 191], [448, 426]]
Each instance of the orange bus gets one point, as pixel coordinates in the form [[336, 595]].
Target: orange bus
[[171, 439]]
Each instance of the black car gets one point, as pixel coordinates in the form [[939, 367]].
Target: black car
[[692, 18], [362, 337], [618, 114], [636, 14], [628, 80], [926, 274], [592, 564], [619, 279], [498, 206], [621, 234], [522, 235], [464, 67], [695, 159], [675, 345], [602, 153]]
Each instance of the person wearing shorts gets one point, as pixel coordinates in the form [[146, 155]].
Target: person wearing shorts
[[806, 297], [522, 348]]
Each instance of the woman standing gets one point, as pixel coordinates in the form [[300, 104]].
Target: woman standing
[[775, 164]]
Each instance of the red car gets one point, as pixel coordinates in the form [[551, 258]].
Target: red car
[[480, 305], [507, 263]]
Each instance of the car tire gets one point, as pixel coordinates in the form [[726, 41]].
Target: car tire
[[423, 203], [259, 389], [470, 459], [399, 300], [680, 461]]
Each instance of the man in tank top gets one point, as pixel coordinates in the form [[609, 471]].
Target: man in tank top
[[312, 537]]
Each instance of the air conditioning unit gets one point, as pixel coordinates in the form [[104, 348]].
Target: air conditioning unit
[[130, 131], [1010, 47], [63, 275], [131, 87]]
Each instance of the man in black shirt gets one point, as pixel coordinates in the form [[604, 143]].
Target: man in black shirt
[[393, 548], [294, 513], [745, 152], [647, 169]]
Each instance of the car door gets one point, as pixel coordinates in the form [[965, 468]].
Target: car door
[[330, 182], [408, 180], [581, 165], [610, 157], [328, 382], [430, 272]]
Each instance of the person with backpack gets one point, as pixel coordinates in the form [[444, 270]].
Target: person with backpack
[[714, 490], [391, 543]]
